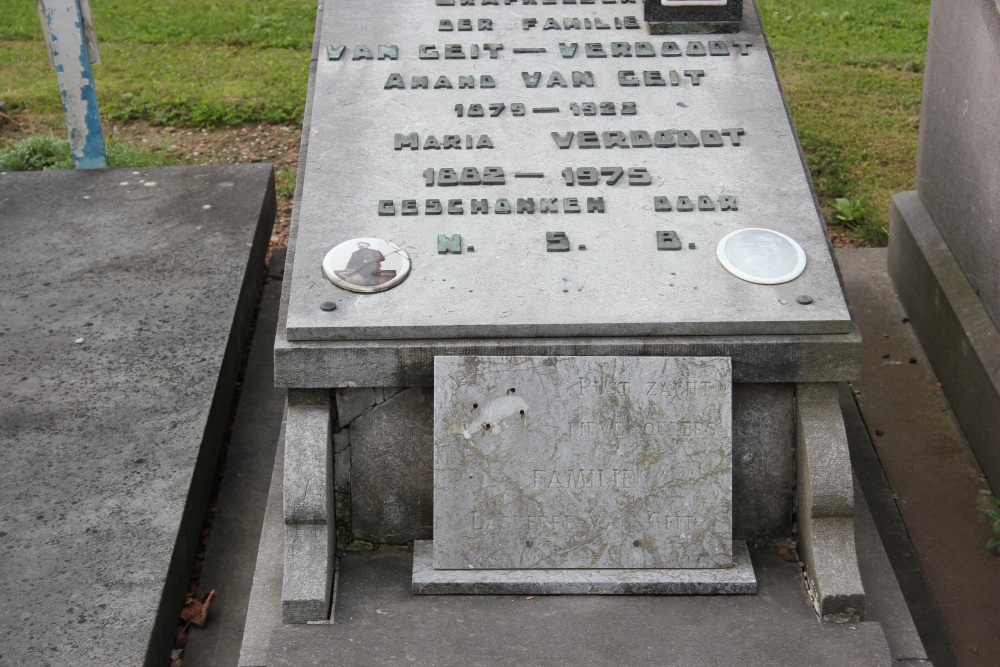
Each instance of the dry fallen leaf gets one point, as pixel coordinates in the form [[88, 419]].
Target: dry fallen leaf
[[195, 611], [788, 554]]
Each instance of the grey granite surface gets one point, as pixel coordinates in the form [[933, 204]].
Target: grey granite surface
[[126, 299]]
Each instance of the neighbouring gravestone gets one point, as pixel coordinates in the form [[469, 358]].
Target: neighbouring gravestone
[[944, 246], [552, 180]]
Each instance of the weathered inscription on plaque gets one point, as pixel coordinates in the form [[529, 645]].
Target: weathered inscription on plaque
[[582, 462]]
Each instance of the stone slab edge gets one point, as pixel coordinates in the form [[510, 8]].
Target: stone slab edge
[[189, 531], [961, 340], [737, 580], [789, 358], [919, 611], [884, 602], [243, 494]]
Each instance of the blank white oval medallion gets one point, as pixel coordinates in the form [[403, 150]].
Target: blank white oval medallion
[[762, 256]]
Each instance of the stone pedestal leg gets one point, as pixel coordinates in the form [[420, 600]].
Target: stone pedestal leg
[[308, 508], [826, 505]]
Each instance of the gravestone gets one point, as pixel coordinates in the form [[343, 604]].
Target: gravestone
[[944, 246], [490, 182]]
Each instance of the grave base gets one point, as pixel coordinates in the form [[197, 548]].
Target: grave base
[[737, 580], [961, 339]]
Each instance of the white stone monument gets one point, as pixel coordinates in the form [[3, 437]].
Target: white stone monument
[[563, 185]]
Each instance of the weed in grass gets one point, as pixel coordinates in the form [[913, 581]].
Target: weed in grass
[[284, 182], [45, 153], [37, 154], [850, 213]]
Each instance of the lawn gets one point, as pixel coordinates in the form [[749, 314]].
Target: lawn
[[853, 74], [190, 62], [851, 69]]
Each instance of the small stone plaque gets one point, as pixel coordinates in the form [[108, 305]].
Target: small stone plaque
[[582, 462]]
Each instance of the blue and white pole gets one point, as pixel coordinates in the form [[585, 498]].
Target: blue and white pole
[[73, 49]]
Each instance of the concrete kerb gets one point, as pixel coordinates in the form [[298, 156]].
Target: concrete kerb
[[241, 502], [264, 611]]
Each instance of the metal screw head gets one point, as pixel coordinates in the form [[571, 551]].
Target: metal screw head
[[327, 306], [636, 543], [804, 299]]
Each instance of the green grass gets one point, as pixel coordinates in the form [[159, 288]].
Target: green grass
[[42, 153], [851, 71], [193, 62]]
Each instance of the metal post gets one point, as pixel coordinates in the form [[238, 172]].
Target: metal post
[[72, 45]]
